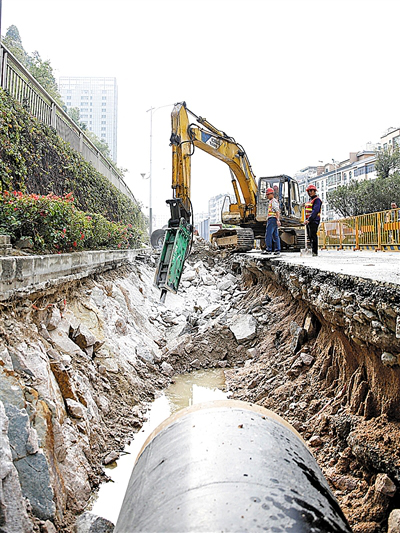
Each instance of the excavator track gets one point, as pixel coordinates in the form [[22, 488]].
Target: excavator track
[[234, 239]]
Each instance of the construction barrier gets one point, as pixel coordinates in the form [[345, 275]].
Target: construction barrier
[[373, 231]]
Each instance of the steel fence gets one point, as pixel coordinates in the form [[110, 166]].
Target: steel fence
[[377, 231], [21, 85]]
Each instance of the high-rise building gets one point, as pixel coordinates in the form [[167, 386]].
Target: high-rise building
[[97, 101]]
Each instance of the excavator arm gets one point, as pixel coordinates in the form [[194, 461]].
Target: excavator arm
[[186, 137]]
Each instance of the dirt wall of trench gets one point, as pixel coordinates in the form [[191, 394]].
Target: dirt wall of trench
[[361, 329], [328, 362]]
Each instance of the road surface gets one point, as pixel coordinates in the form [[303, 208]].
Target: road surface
[[379, 266]]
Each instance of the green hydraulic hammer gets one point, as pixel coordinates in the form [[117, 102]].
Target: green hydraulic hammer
[[175, 249]]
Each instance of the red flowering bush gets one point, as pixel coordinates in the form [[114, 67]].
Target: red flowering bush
[[55, 225]]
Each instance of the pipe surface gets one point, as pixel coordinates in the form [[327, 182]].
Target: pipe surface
[[228, 466]]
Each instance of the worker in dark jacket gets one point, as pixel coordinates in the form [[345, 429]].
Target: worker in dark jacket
[[313, 217]]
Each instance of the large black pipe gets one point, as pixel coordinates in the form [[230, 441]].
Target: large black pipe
[[228, 466]]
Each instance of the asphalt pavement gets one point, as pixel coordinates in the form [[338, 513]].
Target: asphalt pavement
[[379, 266]]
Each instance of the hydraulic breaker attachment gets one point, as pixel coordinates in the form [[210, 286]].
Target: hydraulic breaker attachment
[[174, 252]]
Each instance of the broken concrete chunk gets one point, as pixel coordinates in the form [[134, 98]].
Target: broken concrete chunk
[[6, 358], [207, 279], [44, 332], [310, 326], [75, 409], [189, 275], [201, 304], [83, 337], [212, 310], [111, 457], [299, 336], [225, 285], [244, 328], [315, 440], [91, 523], [167, 368], [48, 527], [306, 359], [389, 359], [53, 319], [145, 354], [32, 444]]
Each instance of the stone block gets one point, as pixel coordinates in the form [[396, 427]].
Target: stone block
[[34, 476], [90, 523], [244, 327], [13, 516]]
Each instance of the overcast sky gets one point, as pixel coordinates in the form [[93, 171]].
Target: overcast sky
[[294, 81]]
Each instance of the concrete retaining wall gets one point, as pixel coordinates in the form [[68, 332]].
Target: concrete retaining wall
[[22, 275]]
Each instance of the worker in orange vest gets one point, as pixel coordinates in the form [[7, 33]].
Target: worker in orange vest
[[313, 217], [272, 239]]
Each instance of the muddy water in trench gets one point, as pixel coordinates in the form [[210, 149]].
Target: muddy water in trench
[[187, 390]]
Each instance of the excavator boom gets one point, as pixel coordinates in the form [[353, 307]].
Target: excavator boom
[[187, 136]]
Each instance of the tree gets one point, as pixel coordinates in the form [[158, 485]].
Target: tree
[[387, 161], [363, 197], [346, 199], [101, 145], [74, 113], [13, 42], [42, 71]]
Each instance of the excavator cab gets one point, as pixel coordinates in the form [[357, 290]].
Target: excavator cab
[[287, 194]]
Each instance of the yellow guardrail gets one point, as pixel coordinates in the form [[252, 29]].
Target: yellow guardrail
[[376, 231]]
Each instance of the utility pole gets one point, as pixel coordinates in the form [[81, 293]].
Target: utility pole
[[151, 173]]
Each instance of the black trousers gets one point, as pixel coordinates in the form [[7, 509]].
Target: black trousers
[[312, 228]]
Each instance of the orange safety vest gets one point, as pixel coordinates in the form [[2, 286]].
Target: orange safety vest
[[309, 207], [271, 213]]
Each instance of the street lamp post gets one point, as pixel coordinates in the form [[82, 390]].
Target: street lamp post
[[146, 177], [151, 174], [152, 110]]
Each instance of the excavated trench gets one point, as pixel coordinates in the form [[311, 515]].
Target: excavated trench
[[319, 349]]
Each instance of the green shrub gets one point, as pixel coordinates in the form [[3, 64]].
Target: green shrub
[[55, 225]]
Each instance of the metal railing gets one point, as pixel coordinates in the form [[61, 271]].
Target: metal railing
[[21, 85], [378, 231]]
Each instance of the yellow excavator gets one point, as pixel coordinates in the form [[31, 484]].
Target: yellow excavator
[[247, 215]]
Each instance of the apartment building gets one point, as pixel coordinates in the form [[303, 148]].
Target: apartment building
[[97, 101], [358, 167]]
